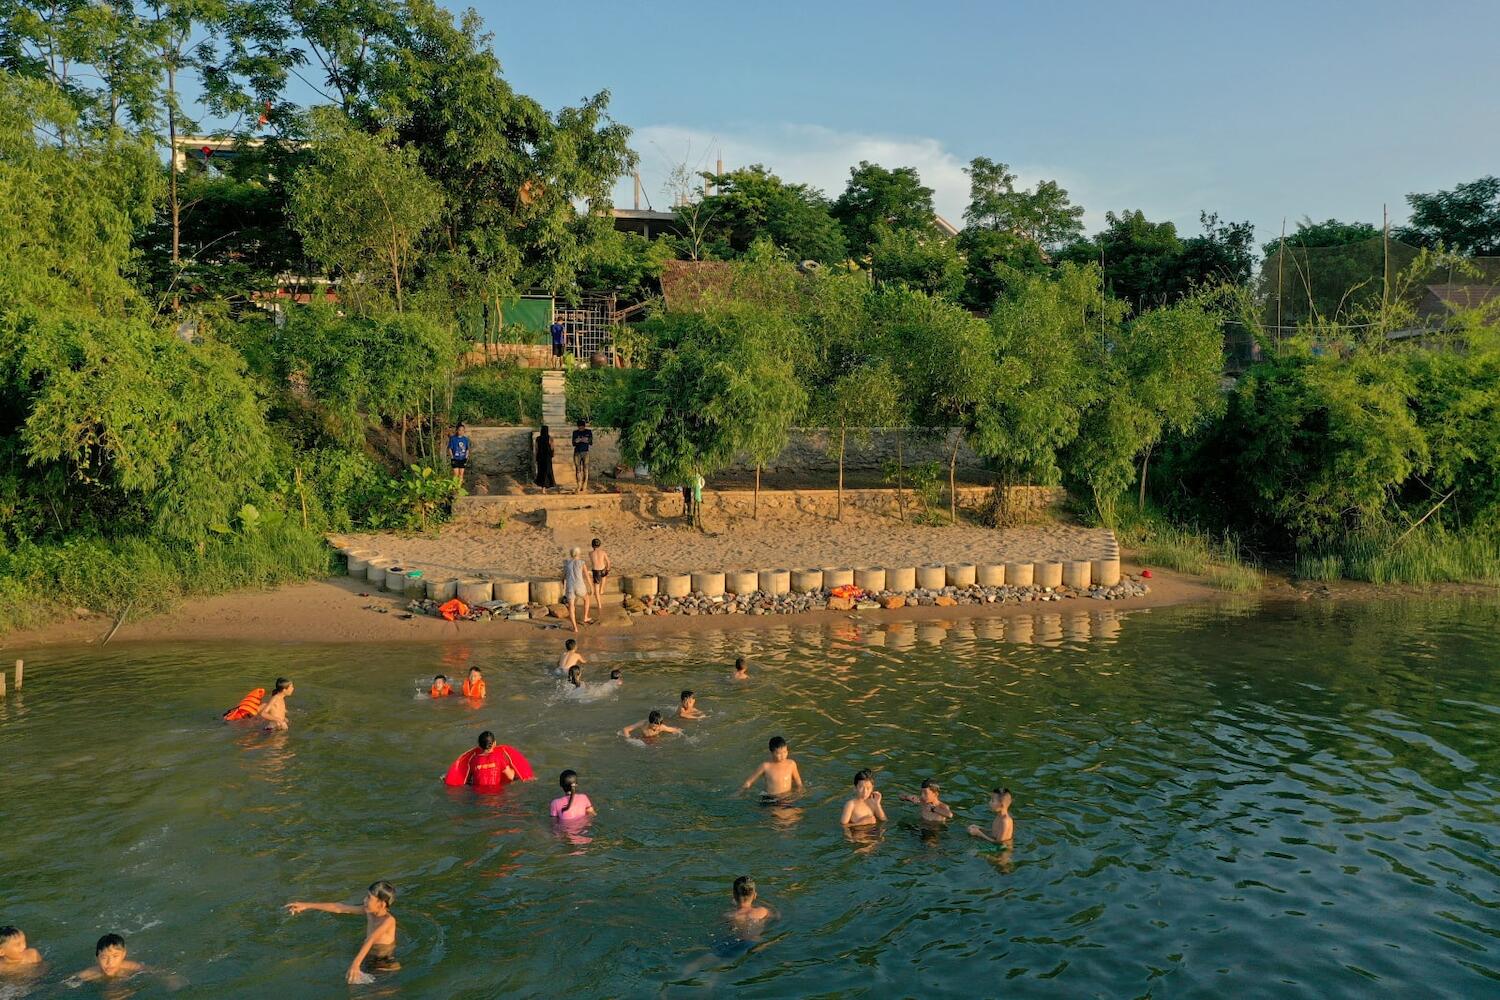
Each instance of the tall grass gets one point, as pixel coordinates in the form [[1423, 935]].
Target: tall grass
[[1427, 555], [1186, 550], [147, 575]]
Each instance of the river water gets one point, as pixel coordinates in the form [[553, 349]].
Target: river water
[[1291, 801]]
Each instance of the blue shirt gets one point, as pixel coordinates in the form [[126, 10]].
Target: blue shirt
[[557, 334], [458, 446]]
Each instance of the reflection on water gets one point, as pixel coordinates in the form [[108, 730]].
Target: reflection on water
[[1206, 801]]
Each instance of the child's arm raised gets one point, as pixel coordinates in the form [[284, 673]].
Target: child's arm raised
[[296, 908], [876, 807]]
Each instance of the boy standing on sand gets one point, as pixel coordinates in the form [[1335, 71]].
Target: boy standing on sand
[[599, 567], [780, 771], [14, 954], [380, 930], [934, 810], [273, 712], [1004, 828]]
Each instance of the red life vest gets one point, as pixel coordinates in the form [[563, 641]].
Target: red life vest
[[440, 691], [474, 689], [486, 771]]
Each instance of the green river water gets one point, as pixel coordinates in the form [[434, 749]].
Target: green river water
[[1289, 801]]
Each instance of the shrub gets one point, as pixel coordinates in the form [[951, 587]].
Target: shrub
[[499, 394]]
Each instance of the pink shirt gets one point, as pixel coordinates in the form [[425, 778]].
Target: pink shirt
[[579, 810]]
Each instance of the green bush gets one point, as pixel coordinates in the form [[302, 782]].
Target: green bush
[[603, 396], [1186, 550], [499, 394]]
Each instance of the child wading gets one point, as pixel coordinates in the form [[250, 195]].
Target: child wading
[[380, 930], [780, 771]]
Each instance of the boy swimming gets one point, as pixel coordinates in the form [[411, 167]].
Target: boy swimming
[[865, 808], [741, 670], [651, 727], [573, 676], [474, 684], [569, 657], [1003, 830], [780, 771], [933, 810], [380, 929], [14, 954], [273, 712], [747, 916], [688, 708], [440, 687], [110, 961], [616, 678]]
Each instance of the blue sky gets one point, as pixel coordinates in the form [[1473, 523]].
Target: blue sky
[[1254, 110]]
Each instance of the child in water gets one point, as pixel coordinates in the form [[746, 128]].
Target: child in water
[[14, 955], [110, 962], [380, 930], [273, 712], [741, 670], [616, 678], [570, 656], [474, 685], [934, 810], [688, 708], [747, 917], [572, 807], [1003, 830], [440, 687], [865, 808], [650, 728], [573, 676], [780, 771]]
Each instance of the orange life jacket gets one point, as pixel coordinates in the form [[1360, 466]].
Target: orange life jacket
[[440, 691], [474, 689], [248, 706]]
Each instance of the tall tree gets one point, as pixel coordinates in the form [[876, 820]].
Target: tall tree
[[1464, 220], [877, 198], [1045, 215], [1139, 257], [916, 258], [752, 203]]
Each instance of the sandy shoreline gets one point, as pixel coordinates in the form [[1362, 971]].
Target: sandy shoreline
[[333, 610]]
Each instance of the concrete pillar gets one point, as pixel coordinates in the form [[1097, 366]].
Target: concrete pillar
[[441, 590], [472, 590], [775, 581], [1076, 574], [1048, 574], [640, 586], [870, 579], [375, 571], [960, 574], [837, 576], [395, 579], [709, 583], [1106, 572], [1019, 575], [513, 591], [901, 579], [416, 587], [742, 581], [674, 584], [805, 581], [546, 591], [932, 577], [358, 561], [990, 575]]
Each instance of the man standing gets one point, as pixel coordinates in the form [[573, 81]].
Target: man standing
[[583, 440], [559, 338]]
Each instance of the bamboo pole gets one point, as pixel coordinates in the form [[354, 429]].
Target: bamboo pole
[[20, 671]]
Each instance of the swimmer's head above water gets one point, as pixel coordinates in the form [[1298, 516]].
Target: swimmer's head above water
[[864, 782], [283, 685], [615, 675], [380, 898], [654, 718], [570, 645], [573, 676], [778, 748], [744, 890], [486, 740]]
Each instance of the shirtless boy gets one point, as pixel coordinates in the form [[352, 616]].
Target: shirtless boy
[[865, 808], [273, 712], [651, 727], [599, 567], [688, 709], [569, 657], [741, 670], [934, 810], [14, 955], [780, 771], [1003, 830], [111, 963], [747, 916], [380, 930]]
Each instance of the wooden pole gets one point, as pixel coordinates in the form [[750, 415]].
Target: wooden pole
[[1385, 293], [2, 684], [20, 670], [1280, 264]]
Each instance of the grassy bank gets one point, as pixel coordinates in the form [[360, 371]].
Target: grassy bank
[[38, 582], [1426, 555], [1160, 543]]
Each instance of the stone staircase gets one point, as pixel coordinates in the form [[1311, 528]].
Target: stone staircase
[[555, 416]]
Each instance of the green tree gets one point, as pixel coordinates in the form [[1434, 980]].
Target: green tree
[[1464, 220], [1045, 215], [1139, 257], [878, 199], [995, 263], [862, 397], [361, 205], [752, 202], [918, 259]]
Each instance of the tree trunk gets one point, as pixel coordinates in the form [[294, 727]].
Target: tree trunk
[[839, 506], [953, 480], [1145, 460], [405, 458], [172, 181], [755, 505], [900, 479]]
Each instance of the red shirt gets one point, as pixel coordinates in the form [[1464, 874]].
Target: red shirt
[[487, 771]]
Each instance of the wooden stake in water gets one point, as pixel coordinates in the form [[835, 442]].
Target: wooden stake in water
[[2, 684], [20, 669]]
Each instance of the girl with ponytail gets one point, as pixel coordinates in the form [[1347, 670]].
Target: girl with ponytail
[[573, 807]]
